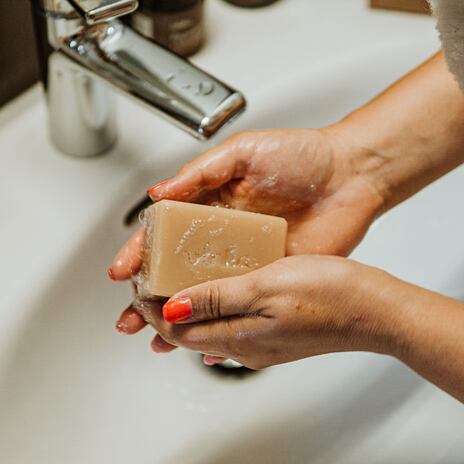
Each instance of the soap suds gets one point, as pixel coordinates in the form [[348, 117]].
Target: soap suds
[[266, 229], [194, 227]]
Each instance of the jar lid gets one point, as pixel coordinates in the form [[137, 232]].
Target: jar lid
[[167, 5]]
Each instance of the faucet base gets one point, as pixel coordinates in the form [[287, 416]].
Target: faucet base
[[81, 109]]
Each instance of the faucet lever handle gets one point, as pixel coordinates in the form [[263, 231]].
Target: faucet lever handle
[[96, 11]]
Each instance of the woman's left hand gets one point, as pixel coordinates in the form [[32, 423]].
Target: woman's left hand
[[294, 308]]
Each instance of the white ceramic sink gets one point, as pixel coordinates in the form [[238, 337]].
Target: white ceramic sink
[[73, 391]]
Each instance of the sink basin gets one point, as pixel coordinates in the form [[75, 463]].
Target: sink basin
[[74, 391]]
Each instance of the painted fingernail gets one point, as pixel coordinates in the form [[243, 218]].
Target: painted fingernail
[[111, 274], [121, 327], [177, 310], [154, 192]]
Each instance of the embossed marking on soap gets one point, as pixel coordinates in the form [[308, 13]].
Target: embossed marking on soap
[[194, 227]]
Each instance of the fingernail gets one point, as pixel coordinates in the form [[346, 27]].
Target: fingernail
[[111, 274], [157, 345], [154, 192], [209, 361], [121, 327], [177, 310]]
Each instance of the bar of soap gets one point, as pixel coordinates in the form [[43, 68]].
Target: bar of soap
[[186, 244]]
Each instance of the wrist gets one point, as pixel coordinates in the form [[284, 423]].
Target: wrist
[[360, 163], [385, 312]]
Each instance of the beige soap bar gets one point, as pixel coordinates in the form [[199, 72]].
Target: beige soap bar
[[187, 244]]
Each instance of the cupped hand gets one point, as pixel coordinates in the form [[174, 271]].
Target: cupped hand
[[317, 179], [313, 178], [294, 308]]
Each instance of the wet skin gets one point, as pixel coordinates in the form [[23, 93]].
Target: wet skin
[[330, 184]]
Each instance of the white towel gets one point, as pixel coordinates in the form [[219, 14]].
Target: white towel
[[450, 16]]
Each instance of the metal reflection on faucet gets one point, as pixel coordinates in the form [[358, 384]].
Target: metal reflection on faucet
[[83, 47]]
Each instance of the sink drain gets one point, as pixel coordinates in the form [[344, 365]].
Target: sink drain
[[229, 369]]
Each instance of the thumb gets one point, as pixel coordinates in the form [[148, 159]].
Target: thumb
[[214, 300]]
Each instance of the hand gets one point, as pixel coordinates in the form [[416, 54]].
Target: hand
[[294, 308], [313, 178], [316, 179]]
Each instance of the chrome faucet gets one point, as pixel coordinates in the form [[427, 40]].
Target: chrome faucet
[[83, 47]]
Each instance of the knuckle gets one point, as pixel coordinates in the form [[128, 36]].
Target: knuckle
[[169, 334], [195, 342], [209, 303]]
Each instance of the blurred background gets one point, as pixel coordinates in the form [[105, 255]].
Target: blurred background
[[18, 64]]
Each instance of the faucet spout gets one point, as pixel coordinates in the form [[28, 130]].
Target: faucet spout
[[84, 57], [167, 83]]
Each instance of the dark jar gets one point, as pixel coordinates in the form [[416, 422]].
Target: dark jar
[[176, 24], [251, 3]]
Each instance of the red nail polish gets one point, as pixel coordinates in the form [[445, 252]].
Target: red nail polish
[[177, 310], [111, 274], [153, 192]]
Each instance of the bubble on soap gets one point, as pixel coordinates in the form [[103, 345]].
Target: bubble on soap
[[266, 229], [205, 257], [194, 227], [212, 218], [216, 232], [143, 219], [234, 260]]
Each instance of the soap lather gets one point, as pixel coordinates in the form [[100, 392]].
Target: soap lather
[[186, 244]]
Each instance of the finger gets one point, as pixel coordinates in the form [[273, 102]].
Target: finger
[[224, 338], [207, 172], [130, 322], [129, 258], [212, 360], [160, 345], [214, 300], [191, 336]]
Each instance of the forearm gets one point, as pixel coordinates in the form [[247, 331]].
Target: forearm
[[423, 329], [434, 340], [409, 135]]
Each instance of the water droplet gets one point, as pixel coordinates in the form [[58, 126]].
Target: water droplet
[[216, 232], [143, 217], [205, 88], [270, 181], [266, 229]]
